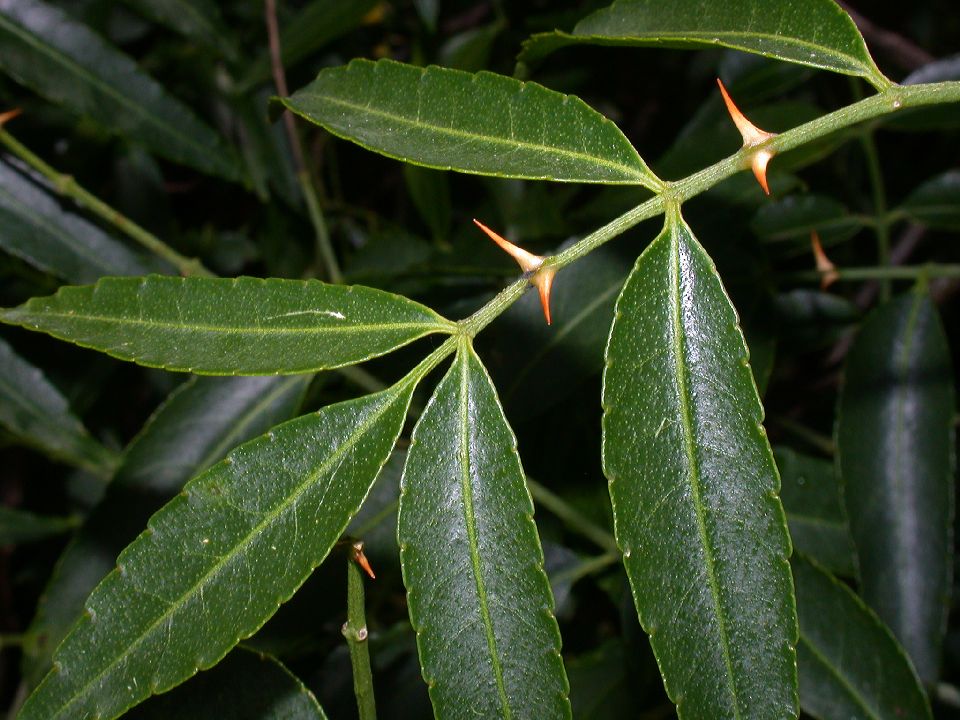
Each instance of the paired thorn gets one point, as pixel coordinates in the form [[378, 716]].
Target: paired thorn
[[540, 277], [360, 559], [752, 136], [9, 115], [826, 268]]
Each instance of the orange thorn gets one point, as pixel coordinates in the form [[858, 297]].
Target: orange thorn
[[529, 263], [752, 136], [544, 281], [826, 268], [360, 559], [9, 115]]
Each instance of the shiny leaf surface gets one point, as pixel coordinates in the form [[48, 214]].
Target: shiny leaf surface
[[694, 489], [472, 563], [240, 326], [479, 123], [195, 427], [895, 439], [817, 33], [850, 665], [38, 414], [217, 561], [63, 60]]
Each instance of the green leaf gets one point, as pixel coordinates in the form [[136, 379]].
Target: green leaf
[[479, 123], [20, 526], [850, 665], [317, 24], [796, 216], [817, 33], [64, 61], [472, 563], [895, 440], [244, 686], [936, 202], [814, 505], [197, 20], [217, 561], [430, 192], [600, 684], [39, 415], [240, 326], [37, 229], [195, 427], [694, 489]]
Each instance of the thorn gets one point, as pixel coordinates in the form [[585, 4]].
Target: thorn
[[529, 263], [544, 281], [9, 115], [752, 136], [826, 268], [360, 559]]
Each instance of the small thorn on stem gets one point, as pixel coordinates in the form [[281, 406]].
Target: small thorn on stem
[[9, 115], [752, 136], [360, 559], [826, 268], [541, 278]]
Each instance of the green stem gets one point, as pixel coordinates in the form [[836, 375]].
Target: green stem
[[589, 567], [324, 246], [67, 186], [880, 228], [572, 517], [12, 640], [899, 272], [821, 442], [356, 633]]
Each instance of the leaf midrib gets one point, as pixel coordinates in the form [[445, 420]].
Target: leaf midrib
[[247, 539], [700, 35], [679, 355], [121, 99], [228, 329], [841, 679], [465, 135], [470, 521]]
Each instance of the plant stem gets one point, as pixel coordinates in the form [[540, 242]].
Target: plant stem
[[355, 631], [881, 227], [327, 257], [821, 442], [572, 517], [899, 272], [589, 567], [67, 186]]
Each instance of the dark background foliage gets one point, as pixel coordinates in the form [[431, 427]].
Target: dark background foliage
[[409, 231]]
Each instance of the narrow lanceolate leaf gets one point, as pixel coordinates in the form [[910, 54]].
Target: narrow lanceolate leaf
[[812, 499], [38, 414], [63, 60], [215, 563], [198, 20], [816, 33], [472, 563], [240, 326], [199, 423], [246, 685], [20, 526], [895, 439], [694, 489], [37, 229], [936, 203], [479, 123], [850, 665]]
